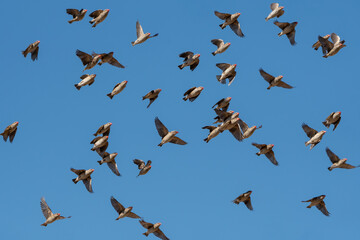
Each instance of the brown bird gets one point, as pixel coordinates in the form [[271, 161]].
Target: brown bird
[[189, 60], [104, 130], [245, 198], [48, 214], [83, 175], [228, 72], [77, 15], [192, 93], [33, 49], [276, 11], [247, 132], [141, 36], [110, 160], [123, 212], [152, 96], [166, 135], [88, 60], [10, 132], [288, 29], [144, 168], [213, 132], [221, 46], [319, 203], [100, 143], [333, 118], [153, 228], [117, 89], [319, 44], [267, 150], [223, 104], [108, 58], [98, 16], [336, 45], [86, 79], [337, 162], [274, 81], [232, 21], [315, 136]]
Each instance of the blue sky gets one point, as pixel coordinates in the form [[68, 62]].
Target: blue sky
[[189, 188]]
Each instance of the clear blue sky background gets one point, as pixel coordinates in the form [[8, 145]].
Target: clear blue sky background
[[189, 188]]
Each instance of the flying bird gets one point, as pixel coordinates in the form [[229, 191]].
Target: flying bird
[[152, 96], [48, 214], [274, 81], [247, 132], [144, 168], [266, 149], [232, 21], [333, 118], [10, 132], [288, 29], [336, 45], [33, 49], [337, 162], [110, 160], [192, 93], [141, 36], [228, 72], [123, 212], [86, 79], [319, 203], [100, 143], [88, 60], [315, 136], [78, 15], [108, 58], [213, 132], [221, 46], [321, 44], [98, 16], [223, 104], [104, 130], [167, 136], [153, 228], [276, 11], [189, 60], [245, 198], [83, 175], [117, 89]]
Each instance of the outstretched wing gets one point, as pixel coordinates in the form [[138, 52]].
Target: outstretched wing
[[45, 208], [333, 157], [116, 205], [162, 130], [222, 16], [139, 30], [139, 163], [308, 130], [178, 140]]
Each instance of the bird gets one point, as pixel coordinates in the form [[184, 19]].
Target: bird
[[33, 49], [108, 58], [10, 132], [152, 96], [319, 44], [333, 118], [223, 104], [245, 198], [288, 29], [213, 132], [228, 72], [319, 203], [232, 21], [246, 131], [85, 176], [192, 93], [167, 136], [123, 212], [88, 60], [104, 129], [336, 45], [117, 89], [276, 11], [153, 228], [144, 168], [98, 16], [221, 46], [266, 149], [48, 214], [337, 162], [315, 136], [222, 115], [189, 60], [141, 36], [78, 15], [110, 160], [274, 81], [229, 121], [86, 79], [100, 143]]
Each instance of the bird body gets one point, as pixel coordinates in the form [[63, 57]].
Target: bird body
[[276, 11], [86, 80], [78, 15], [192, 93], [117, 89], [141, 36], [190, 59], [33, 49], [333, 118], [98, 16], [221, 46], [10, 132]]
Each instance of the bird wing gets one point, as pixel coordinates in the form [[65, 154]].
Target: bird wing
[[162, 130], [160, 234], [236, 132], [284, 85], [115, 63], [87, 183], [84, 76], [113, 167], [76, 171], [266, 76], [336, 123], [218, 102], [34, 54], [177, 140], [148, 163], [271, 156], [12, 135], [84, 57], [235, 26], [326, 45], [333, 157], [259, 146], [248, 204], [308, 130], [73, 12], [139, 30], [139, 163], [96, 13], [231, 77], [194, 65], [116, 205], [45, 208], [186, 55], [217, 42], [222, 114], [274, 6], [145, 224], [223, 66], [321, 206], [189, 91], [222, 16], [132, 215], [291, 37], [95, 140], [243, 125], [210, 128], [280, 13], [335, 38], [281, 25], [347, 166]]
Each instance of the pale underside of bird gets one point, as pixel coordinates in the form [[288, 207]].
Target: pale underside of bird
[[117, 89], [276, 11], [98, 16], [48, 214], [319, 203], [337, 162], [288, 29], [190, 60], [228, 72], [221, 46], [315, 136], [83, 175], [10, 132], [153, 228], [86, 79], [231, 20], [334, 118], [33, 49], [274, 81], [245, 198], [152, 96], [166, 135], [77, 15], [141, 36], [104, 129], [192, 93], [266, 149]]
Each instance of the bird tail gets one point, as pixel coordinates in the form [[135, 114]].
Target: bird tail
[[218, 77], [100, 162], [213, 53], [133, 43], [144, 98], [71, 21], [77, 86], [258, 154], [329, 168], [266, 19], [74, 180], [222, 26], [280, 34], [180, 66], [325, 56], [206, 140], [160, 144], [24, 53], [184, 98], [44, 224], [146, 234], [325, 124], [268, 88], [110, 96], [100, 63], [306, 143]]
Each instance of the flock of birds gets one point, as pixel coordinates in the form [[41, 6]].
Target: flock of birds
[[225, 120]]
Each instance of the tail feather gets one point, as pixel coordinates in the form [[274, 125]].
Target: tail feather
[[325, 124], [24, 53], [146, 234], [44, 224], [144, 98], [77, 86], [184, 98], [100, 162], [110, 96], [71, 21], [160, 144], [218, 77], [222, 26], [133, 43], [213, 53], [74, 180], [258, 154], [329, 168], [180, 66]]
